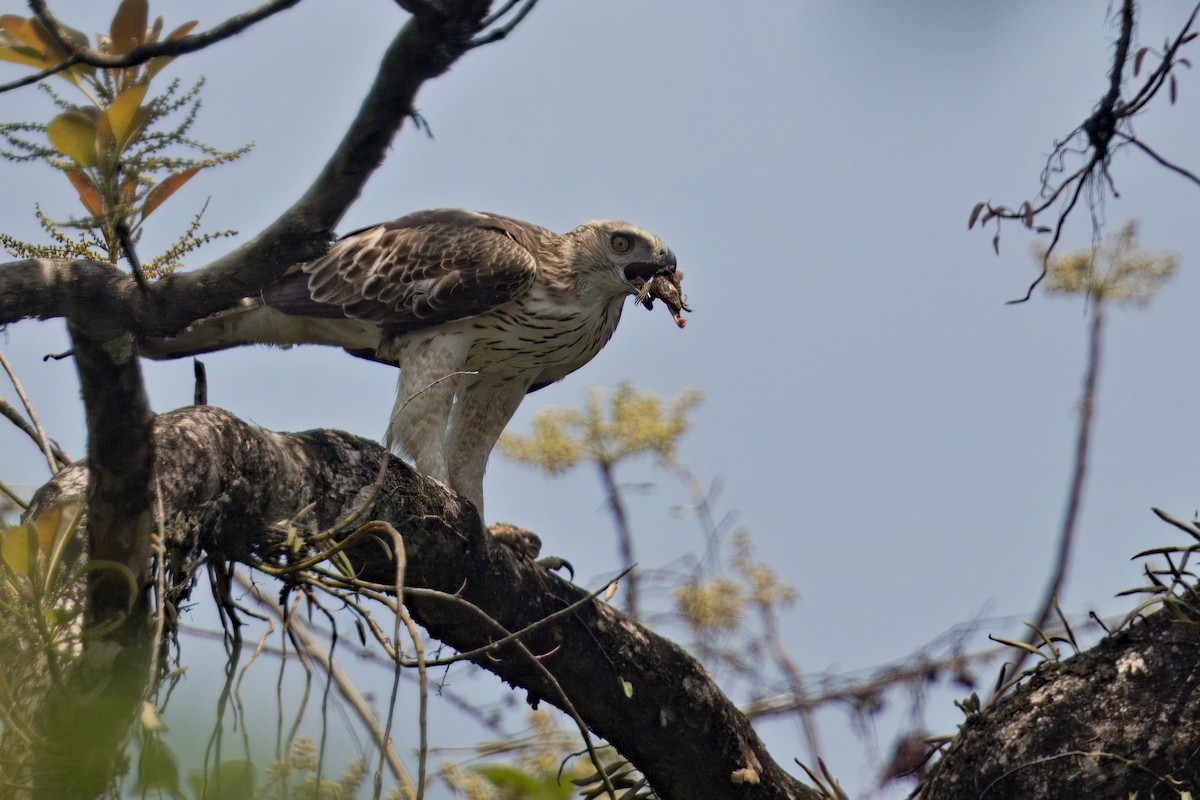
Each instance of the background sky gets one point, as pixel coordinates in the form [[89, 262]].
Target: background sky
[[896, 438]]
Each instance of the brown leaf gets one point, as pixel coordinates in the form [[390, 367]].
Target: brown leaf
[[155, 65], [169, 185], [996, 243], [21, 29], [975, 214], [1172, 90], [89, 195], [183, 30], [24, 55], [128, 28], [128, 191], [1137, 60]]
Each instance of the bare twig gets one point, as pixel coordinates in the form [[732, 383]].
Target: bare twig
[[15, 418], [1087, 408], [142, 53], [503, 31], [794, 678], [12, 495], [341, 680], [41, 438], [1106, 130], [624, 535], [1139, 144]]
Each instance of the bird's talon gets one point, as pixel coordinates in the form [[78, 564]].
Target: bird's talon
[[557, 563]]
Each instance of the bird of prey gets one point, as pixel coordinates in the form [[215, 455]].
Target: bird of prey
[[476, 309]]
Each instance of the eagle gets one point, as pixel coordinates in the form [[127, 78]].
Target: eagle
[[476, 309]]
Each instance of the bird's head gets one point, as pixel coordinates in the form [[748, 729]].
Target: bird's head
[[625, 259]]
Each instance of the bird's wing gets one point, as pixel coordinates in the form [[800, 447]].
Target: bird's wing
[[420, 270]]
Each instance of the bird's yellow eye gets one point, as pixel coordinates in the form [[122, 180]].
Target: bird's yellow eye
[[621, 243]]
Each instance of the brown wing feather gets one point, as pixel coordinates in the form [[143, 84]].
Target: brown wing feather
[[420, 270]]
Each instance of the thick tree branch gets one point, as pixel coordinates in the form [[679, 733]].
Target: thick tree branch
[[224, 484], [1117, 721]]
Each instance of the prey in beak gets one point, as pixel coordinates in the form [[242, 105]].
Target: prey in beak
[[659, 280]]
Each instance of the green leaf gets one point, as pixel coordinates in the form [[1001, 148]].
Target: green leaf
[[167, 187], [19, 54], [122, 113], [18, 548], [48, 525], [128, 28], [73, 133], [504, 776], [230, 780], [157, 770]]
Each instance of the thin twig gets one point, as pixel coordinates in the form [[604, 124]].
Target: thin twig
[[794, 677], [505, 30], [144, 52], [12, 495], [42, 439], [1107, 129], [15, 417], [1139, 144], [1075, 497], [344, 683], [624, 535]]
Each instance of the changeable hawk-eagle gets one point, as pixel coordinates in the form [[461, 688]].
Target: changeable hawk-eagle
[[476, 309]]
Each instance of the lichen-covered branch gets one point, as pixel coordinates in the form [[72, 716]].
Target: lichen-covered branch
[[1117, 721], [225, 484]]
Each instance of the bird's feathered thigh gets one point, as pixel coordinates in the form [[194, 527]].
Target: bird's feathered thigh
[[461, 382]]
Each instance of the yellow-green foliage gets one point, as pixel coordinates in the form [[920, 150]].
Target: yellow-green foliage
[[634, 422], [1116, 270], [542, 766], [297, 777], [766, 588], [40, 609], [711, 606], [113, 149], [718, 604]]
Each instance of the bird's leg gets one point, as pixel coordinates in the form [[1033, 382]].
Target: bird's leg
[[484, 406], [418, 423]]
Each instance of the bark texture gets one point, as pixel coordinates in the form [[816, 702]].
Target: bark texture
[[225, 483], [1117, 721]]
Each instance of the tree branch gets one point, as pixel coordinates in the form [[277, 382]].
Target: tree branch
[[1116, 721], [224, 484]]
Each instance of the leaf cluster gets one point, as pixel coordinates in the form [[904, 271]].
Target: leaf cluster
[[634, 423], [41, 562], [1118, 270], [117, 150]]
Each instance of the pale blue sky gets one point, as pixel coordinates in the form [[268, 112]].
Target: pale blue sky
[[897, 439]]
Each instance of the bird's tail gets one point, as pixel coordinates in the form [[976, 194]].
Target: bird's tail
[[249, 323], [255, 323]]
